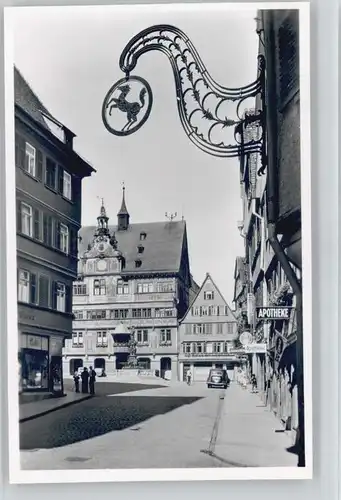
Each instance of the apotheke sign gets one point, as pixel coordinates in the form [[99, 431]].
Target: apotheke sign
[[273, 313]]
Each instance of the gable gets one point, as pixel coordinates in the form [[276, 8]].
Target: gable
[[209, 305]]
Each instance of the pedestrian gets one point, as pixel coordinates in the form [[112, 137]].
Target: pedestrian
[[92, 380], [76, 380], [85, 381], [189, 377], [254, 383]]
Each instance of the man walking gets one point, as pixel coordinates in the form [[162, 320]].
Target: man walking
[[92, 380]]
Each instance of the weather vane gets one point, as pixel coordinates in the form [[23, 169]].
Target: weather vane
[[171, 217]]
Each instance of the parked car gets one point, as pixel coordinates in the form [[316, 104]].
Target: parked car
[[218, 377]]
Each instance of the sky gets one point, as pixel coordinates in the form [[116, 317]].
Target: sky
[[69, 56]]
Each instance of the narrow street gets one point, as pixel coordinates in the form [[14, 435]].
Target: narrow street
[[150, 426]]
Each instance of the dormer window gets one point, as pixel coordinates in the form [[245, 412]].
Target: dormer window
[[143, 236], [140, 248], [138, 263]]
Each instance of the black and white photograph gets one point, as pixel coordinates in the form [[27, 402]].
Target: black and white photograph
[[159, 212]]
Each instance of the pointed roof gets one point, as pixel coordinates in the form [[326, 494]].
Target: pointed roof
[[209, 277], [123, 209], [162, 245], [103, 212], [28, 100]]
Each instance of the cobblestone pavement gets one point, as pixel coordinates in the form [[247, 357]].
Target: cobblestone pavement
[[156, 427]]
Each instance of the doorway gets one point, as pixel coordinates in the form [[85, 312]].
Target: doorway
[[75, 365]]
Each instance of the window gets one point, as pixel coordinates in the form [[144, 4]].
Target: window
[[77, 339], [165, 287], [209, 295], [217, 347], [196, 311], [204, 311], [205, 328], [118, 313], [143, 236], [138, 263], [79, 289], [165, 336], [66, 185], [142, 336], [142, 313], [30, 159], [140, 248], [26, 219], [186, 347], [122, 287], [61, 297], [99, 287], [164, 313], [78, 314], [102, 339], [64, 238], [230, 328], [96, 314], [144, 287], [220, 328], [188, 329], [51, 173], [27, 287], [44, 285]]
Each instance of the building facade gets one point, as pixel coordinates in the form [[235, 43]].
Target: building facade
[[207, 334], [271, 225], [134, 280], [49, 175]]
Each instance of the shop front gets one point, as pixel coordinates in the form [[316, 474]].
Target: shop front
[[40, 364], [34, 361]]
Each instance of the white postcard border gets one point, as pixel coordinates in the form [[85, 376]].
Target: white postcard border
[[19, 476]]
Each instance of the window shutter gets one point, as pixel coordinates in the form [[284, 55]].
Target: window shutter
[[60, 180], [47, 229], [39, 159], [18, 216], [43, 291], [76, 191], [33, 288], [73, 242], [54, 295], [21, 151], [17, 150], [57, 234], [36, 231], [68, 299]]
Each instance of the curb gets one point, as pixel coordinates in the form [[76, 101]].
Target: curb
[[50, 410]]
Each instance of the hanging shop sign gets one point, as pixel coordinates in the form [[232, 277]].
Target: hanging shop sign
[[273, 313], [280, 343], [255, 348]]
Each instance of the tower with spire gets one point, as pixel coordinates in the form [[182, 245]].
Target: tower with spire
[[123, 215]]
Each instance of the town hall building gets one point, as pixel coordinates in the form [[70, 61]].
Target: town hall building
[[134, 280]]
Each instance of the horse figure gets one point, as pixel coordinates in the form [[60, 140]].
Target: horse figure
[[131, 108]]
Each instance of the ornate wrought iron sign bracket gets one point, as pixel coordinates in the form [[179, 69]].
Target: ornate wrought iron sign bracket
[[204, 106]]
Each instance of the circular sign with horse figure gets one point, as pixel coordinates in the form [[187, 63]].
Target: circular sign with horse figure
[[127, 105]]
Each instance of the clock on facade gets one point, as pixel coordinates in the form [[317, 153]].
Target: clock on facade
[[101, 265]]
